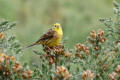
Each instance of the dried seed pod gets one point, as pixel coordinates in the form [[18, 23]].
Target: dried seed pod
[[63, 73], [93, 34], [2, 36], [96, 48], [87, 75], [117, 69], [112, 76], [78, 55], [68, 54]]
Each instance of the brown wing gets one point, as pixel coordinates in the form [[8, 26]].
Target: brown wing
[[44, 38], [47, 36]]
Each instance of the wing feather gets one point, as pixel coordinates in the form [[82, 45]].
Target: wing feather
[[47, 36]]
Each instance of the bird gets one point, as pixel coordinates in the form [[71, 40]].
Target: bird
[[51, 38]]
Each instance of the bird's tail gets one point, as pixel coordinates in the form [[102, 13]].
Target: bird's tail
[[30, 46]]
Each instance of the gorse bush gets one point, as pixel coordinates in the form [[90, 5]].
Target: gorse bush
[[10, 68], [97, 58]]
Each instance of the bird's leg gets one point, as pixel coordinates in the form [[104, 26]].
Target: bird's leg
[[49, 48]]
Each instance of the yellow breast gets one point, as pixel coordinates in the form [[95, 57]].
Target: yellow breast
[[56, 39]]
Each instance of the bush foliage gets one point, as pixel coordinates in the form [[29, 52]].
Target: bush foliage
[[95, 59]]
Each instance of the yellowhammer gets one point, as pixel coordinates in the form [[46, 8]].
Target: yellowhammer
[[52, 38]]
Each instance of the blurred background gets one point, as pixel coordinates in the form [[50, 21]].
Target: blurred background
[[34, 17]]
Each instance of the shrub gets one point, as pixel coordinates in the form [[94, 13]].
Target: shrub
[[10, 68], [95, 59]]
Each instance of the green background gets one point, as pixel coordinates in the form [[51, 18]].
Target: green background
[[34, 17]]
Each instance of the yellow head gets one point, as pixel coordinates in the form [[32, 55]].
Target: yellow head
[[57, 28]]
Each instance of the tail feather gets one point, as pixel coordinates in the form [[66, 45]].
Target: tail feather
[[30, 45]]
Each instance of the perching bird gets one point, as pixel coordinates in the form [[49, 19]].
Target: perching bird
[[52, 38]]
